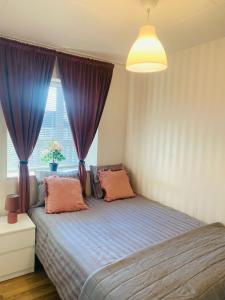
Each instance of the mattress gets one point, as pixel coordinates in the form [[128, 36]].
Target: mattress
[[72, 246]]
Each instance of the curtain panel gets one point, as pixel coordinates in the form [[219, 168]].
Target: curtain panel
[[85, 85], [25, 74]]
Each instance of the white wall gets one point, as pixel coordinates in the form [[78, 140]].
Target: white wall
[[175, 145], [111, 133], [112, 127]]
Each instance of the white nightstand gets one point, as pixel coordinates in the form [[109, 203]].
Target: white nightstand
[[16, 247]]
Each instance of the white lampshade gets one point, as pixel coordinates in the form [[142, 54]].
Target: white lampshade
[[147, 53]]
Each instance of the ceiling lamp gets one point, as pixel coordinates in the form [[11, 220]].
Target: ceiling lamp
[[147, 53]]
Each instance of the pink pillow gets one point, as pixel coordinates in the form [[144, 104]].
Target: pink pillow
[[116, 185], [63, 195]]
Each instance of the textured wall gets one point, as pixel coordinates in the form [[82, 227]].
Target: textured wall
[[112, 127], [175, 145]]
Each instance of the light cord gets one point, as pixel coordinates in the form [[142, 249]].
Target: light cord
[[148, 14]]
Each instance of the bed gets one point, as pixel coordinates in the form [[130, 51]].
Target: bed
[[73, 246]]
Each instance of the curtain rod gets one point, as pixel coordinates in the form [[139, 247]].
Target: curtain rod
[[62, 50]]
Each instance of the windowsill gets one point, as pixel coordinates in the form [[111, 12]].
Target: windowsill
[[14, 175]]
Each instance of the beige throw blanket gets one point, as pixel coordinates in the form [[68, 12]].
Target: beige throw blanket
[[190, 266]]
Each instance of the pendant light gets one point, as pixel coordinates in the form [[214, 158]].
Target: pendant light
[[147, 53]]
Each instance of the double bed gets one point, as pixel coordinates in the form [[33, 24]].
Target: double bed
[[74, 246]]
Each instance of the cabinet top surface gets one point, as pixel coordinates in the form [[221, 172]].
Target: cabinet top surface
[[24, 223]]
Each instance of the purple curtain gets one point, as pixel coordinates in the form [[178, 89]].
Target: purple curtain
[[85, 84], [25, 74]]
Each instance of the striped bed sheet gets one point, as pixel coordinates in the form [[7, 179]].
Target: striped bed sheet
[[72, 246]]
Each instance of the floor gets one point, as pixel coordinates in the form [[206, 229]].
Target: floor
[[29, 287]]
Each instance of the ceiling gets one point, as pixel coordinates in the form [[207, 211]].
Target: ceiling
[[107, 28]]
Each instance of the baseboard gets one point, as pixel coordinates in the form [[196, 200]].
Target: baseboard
[[16, 274]]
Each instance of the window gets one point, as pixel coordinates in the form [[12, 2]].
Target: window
[[55, 127]]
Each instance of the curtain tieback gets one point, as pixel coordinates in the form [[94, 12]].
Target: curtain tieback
[[82, 162], [23, 162]]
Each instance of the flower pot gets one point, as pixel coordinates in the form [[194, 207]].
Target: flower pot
[[53, 167]]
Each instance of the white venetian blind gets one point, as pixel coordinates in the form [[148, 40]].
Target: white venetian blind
[[55, 127]]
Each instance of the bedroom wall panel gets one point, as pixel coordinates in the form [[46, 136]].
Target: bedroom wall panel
[[175, 147], [112, 127], [111, 134]]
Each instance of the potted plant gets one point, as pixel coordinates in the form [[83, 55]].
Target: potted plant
[[53, 155]]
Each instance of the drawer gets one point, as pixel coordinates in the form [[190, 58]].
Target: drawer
[[17, 240], [16, 261]]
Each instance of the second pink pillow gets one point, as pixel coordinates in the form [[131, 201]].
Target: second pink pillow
[[115, 184]]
